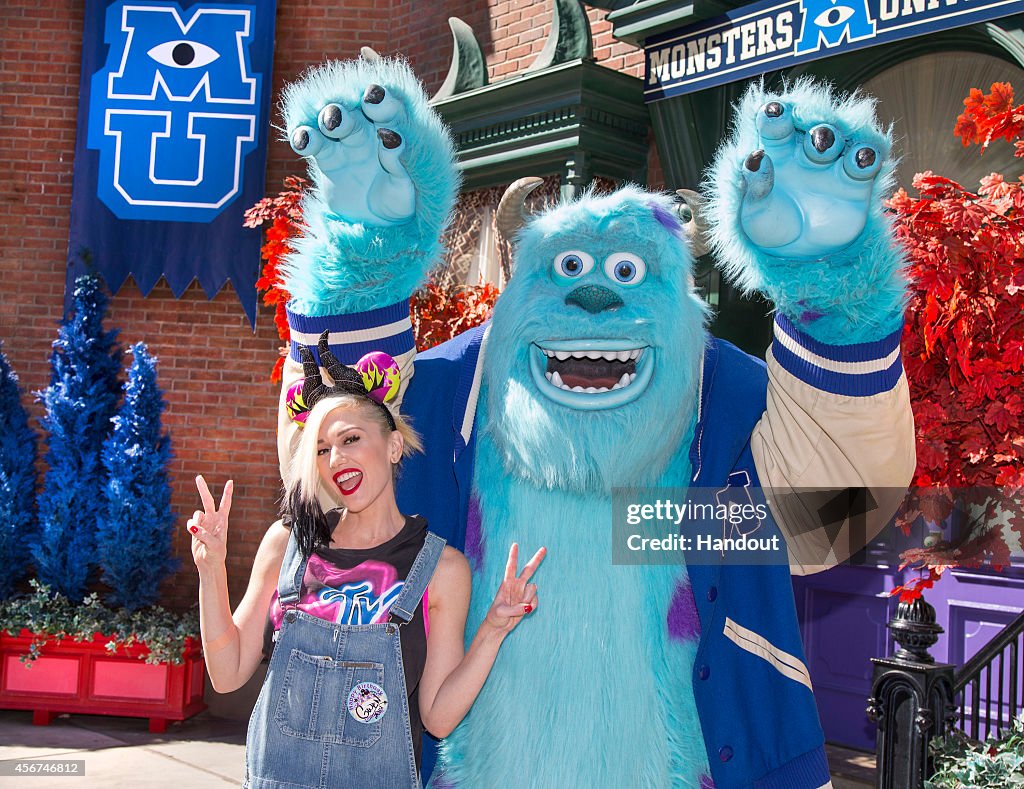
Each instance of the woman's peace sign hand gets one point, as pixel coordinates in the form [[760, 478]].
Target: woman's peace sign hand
[[516, 597], [209, 526]]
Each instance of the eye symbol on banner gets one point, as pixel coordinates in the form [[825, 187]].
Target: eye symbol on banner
[[367, 702], [183, 54]]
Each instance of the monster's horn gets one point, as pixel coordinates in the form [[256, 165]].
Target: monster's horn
[[691, 210], [368, 55], [511, 210]]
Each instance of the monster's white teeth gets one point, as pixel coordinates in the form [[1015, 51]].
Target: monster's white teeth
[[556, 379], [608, 356], [623, 381]]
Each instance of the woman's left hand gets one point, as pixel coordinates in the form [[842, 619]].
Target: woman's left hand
[[516, 597]]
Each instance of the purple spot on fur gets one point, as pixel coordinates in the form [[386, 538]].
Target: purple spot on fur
[[706, 782], [474, 540], [808, 316], [683, 622], [440, 782], [667, 218]]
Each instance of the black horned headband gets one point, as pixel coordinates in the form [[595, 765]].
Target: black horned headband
[[375, 377]]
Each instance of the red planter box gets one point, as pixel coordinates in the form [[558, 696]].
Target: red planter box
[[82, 676]]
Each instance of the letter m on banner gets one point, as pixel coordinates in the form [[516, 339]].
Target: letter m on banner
[[830, 22], [174, 112]]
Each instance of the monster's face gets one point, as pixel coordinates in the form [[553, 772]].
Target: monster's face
[[596, 343]]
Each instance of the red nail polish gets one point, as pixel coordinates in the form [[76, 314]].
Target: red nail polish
[[527, 608], [194, 529]]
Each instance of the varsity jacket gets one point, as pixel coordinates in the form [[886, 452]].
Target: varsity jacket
[[814, 416]]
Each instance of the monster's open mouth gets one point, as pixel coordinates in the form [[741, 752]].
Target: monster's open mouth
[[592, 373]]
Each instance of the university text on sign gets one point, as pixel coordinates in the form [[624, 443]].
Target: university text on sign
[[772, 35]]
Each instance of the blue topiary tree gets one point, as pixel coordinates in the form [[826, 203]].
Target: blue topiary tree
[[133, 536], [17, 482], [80, 402]]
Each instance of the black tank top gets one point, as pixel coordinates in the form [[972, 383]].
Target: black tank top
[[357, 587]]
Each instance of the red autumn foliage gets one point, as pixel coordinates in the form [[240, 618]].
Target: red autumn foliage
[[963, 344], [438, 313], [284, 213]]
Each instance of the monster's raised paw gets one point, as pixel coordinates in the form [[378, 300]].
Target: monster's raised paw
[[383, 167], [358, 151], [807, 188], [796, 213]]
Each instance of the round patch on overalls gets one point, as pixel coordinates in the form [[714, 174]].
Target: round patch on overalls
[[367, 702]]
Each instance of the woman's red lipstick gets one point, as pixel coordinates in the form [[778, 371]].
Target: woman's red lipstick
[[355, 481]]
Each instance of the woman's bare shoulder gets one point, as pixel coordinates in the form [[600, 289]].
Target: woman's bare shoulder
[[273, 544], [452, 575]]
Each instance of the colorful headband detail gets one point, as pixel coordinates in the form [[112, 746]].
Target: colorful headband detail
[[376, 377]]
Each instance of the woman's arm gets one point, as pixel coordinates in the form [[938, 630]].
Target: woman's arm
[[452, 679], [232, 643]]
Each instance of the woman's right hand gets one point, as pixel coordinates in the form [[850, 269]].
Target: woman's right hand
[[209, 527]]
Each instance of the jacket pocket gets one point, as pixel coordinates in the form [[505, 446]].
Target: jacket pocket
[[788, 665], [313, 701]]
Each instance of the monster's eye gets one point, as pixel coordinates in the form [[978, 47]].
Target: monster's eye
[[183, 54], [573, 264], [625, 268]]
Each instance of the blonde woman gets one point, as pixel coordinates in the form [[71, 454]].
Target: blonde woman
[[367, 610]]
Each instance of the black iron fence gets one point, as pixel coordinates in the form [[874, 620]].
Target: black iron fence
[[913, 698], [988, 690]]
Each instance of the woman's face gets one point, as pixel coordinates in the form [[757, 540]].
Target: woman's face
[[355, 457]]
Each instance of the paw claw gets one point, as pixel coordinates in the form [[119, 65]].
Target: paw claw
[[759, 176], [336, 122], [331, 117], [305, 141], [753, 161], [823, 144], [389, 139], [862, 162], [374, 94], [775, 122]]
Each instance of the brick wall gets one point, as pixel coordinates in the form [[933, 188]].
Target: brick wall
[[213, 367]]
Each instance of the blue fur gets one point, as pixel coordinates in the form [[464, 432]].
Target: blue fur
[[554, 446], [851, 294], [590, 690], [598, 648], [344, 267]]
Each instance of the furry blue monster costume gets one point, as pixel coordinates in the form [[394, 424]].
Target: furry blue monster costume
[[596, 373]]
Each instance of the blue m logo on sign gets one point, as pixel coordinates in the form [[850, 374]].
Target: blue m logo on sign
[[830, 22], [174, 111]]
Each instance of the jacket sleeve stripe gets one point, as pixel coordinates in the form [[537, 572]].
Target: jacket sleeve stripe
[[387, 329], [786, 664], [838, 369]]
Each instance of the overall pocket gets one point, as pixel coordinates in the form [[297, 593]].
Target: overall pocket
[[313, 701]]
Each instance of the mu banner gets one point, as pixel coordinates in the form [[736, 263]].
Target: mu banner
[[172, 141]]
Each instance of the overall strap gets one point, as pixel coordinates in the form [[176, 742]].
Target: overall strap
[[293, 571], [419, 576]]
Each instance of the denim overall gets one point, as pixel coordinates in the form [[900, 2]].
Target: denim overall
[[333, 712]]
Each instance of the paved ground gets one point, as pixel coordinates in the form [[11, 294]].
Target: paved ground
[[199, 753], [120, 752]]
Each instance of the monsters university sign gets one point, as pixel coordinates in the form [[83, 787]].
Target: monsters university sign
[[776, 34], [172, 142]]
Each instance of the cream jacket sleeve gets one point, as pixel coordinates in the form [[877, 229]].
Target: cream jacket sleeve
[[837, 417]]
